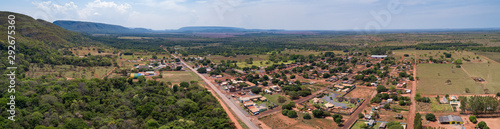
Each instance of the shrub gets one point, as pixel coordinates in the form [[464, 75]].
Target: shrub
[[381, 88], [360, 115], [291, 114], [317, 113], [473, 119], [430, 117], [482, 124], [284, 112], [307, 116]]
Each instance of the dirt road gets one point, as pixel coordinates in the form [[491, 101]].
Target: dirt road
[[412, 97], [354, 115]]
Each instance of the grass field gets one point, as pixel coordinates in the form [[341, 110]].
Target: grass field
[[274, 98], [180, 76], [495, 56], [488, 71], [68, 70], [358, 123], [433, 79], [434, 106]]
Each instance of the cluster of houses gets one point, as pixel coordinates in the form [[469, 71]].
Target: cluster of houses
[[255, 109], [232, 86]]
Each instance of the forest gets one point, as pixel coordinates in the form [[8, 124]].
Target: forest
[[112, 103]]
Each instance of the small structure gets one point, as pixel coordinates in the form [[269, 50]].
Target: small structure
[[444, 100], [382, 126], [378, 56], [371, 123], [390, 100], [248, 103], [398, 116], [329, 105], [368, 117], [263, 99], [450, 119], [218, 76], [254, 110], [317, 100]]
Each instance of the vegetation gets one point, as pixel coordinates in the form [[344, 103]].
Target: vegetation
[[114, 102], [473, 119], [417, 123], [430, 117]]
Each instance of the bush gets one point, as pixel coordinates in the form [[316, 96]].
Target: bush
[[284, 112], [360, 115], [482, 124], [317, 113], [381, 88], [291, 114], [307, 116], [256, 90], [473, 119], [430, 117]]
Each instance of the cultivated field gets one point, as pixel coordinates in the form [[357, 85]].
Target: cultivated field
[[433, 79]]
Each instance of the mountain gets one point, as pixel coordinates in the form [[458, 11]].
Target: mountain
[[101, 28], [97, 28]]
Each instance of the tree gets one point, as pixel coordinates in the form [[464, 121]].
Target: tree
[[381, 88], [473, 119], [256, 90], [430, 117], [152, 123], [184, 84], [387, 106], [337, 118], [482, 125], [317, 113], [291, 114], [281, 99], [76, 123], [417, 123], [284, 112], [393, 88], [307, 116], [202, 70], [467, 90], [326, 75]]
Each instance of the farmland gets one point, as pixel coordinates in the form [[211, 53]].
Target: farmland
[[433, 78], [180, 76], [488, 71]]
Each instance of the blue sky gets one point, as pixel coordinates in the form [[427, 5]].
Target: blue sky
[[270, 14]]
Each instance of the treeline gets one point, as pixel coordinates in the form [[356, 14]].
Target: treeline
[[479, 104], [111, 103]]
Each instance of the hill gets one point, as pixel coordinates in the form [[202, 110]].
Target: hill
[[97, 28], [39, 41]]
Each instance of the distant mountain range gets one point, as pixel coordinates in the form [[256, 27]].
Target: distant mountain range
[[101, 28]]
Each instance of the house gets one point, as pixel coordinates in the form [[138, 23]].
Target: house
[[371, 123], [450, 119], [267, 91], [232, 88], [218, 76], [254, 110], [248, 103], [329, 105], [453, 97], [276, 88], [263, 99], [378, 56], [317, 100], [390, 100], [243, 99], [367, 117]]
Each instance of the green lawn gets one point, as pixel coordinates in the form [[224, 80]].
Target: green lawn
[[433, 79], [180, 76], [274, 98], [434, 106], [488, 71], [358, 123]]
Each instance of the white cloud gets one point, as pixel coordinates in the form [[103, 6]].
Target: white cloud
[[71, 11]]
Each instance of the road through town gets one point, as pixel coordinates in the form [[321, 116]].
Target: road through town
[[227, 102]]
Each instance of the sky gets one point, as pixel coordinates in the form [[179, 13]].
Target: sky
[[269, 14]]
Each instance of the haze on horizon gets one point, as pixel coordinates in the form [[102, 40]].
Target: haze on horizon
[[269, 14]]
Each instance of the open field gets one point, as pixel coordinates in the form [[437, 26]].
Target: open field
[[433, 79], [70, 71], [283, 122], [488, 71], [180, 76], [274, 98], [492, 55], [434, 106]]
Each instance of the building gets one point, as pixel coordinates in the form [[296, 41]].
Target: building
[[444, 100], [378, 56], [248, 103], [254, 110], [450, 119], [135, 75], [382, 126]]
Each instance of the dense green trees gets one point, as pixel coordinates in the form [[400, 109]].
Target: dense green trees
[[101, 103]]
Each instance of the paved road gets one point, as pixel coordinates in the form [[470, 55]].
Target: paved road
[[228, 102]]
